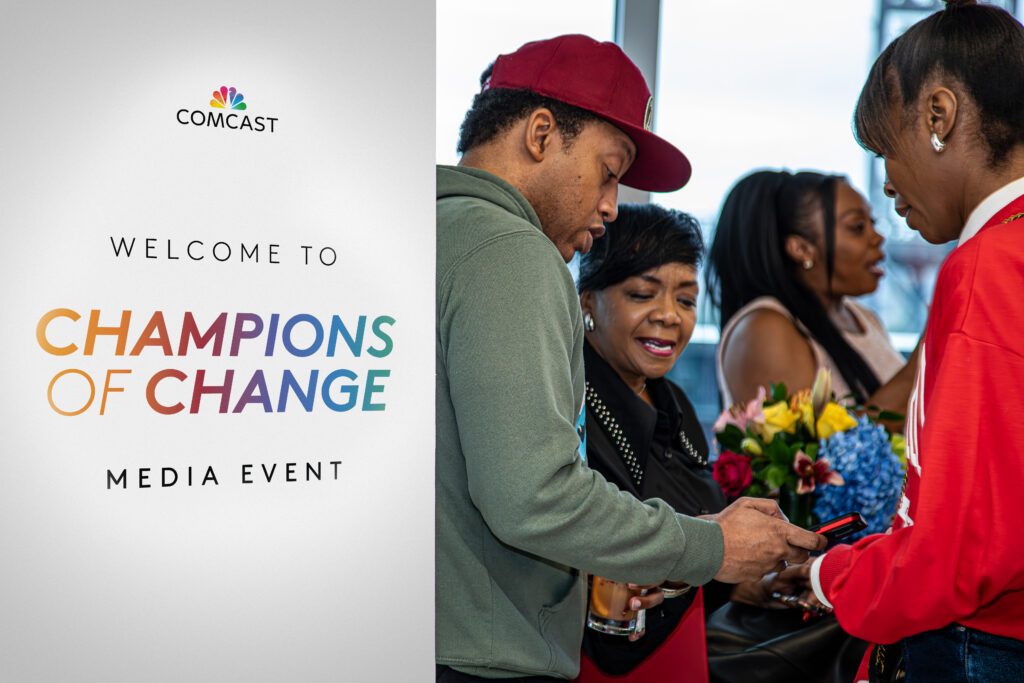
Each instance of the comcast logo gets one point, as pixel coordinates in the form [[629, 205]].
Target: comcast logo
[[231, 102], [227, 98]]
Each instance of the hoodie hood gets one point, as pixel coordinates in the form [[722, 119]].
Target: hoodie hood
[[463, 182]]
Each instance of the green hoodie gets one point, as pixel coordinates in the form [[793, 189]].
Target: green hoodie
[[520, 517]]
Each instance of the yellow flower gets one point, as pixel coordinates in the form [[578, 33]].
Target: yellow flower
[[751, 447], [800, 403], [778, 418], [834, 418]]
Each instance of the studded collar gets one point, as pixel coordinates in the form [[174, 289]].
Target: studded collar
[[634, 427]]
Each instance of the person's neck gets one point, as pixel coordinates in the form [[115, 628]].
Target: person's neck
[[488, 159], [838, 312], [832, 304], [636, 384], [978, 185]]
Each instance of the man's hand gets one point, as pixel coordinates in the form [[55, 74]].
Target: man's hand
[[758, 540]]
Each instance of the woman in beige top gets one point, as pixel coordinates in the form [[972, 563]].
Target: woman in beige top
[[789, 253]]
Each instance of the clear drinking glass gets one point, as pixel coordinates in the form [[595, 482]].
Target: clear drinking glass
[[609, 607]]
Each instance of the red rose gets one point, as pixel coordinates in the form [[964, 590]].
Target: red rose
[[732, 472]]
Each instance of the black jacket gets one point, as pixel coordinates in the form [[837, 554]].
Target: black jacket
[[669, 471]]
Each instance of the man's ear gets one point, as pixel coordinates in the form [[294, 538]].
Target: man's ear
[[540, 133]]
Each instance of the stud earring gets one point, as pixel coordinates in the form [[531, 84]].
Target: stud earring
[[588, 322], [807, 264], [937, 144]]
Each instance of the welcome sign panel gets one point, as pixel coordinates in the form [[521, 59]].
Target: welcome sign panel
[[217, 341]]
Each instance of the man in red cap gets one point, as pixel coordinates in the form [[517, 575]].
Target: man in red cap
[[521, 519]]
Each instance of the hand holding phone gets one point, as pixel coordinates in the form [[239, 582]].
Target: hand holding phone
[[840, 527]]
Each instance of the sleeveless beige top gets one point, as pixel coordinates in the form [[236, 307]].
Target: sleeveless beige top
[[872, 344]]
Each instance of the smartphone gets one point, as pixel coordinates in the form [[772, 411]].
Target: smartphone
[[840, 527]]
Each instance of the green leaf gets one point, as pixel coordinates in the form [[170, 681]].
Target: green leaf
[[778, 452], [775, 476], [785, 438], [730, 438], [812, 450], [756, 490], [779, 392], [891, 416]]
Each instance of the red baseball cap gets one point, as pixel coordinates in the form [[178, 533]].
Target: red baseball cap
[[600, 78]]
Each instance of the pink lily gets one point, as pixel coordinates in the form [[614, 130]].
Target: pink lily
[[742, 416]]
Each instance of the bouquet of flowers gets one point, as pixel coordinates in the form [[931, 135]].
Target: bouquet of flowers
[[811, 453]]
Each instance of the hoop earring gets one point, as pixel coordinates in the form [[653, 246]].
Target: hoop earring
[[807, 264], [588, 322], [937, 144]]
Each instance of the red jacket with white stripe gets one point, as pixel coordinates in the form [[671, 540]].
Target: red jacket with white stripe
[[956, 549]]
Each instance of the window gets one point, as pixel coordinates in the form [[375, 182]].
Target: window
[[470, 34], [774, 85]]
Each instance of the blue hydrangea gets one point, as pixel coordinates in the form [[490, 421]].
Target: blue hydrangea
[[873, 475]]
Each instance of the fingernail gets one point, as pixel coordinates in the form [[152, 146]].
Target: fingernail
[[634, 603]]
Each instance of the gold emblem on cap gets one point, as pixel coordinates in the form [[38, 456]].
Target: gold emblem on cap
[[649, 114]]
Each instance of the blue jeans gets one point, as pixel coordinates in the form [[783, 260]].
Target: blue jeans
[[957, 654]]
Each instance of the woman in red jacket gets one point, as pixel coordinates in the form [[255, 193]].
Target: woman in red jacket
[[942, 105]]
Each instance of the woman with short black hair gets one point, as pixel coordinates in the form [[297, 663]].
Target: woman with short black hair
[[639, 292], [942, 105]]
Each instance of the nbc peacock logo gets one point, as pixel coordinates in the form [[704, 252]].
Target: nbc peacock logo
[[231, 101], [227, 98]]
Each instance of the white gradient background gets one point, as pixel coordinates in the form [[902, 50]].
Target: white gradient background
[[327, 580]]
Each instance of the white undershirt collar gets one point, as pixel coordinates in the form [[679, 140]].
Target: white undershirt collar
[[989, 207]]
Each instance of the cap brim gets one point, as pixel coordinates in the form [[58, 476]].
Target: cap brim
[[659, 166]]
